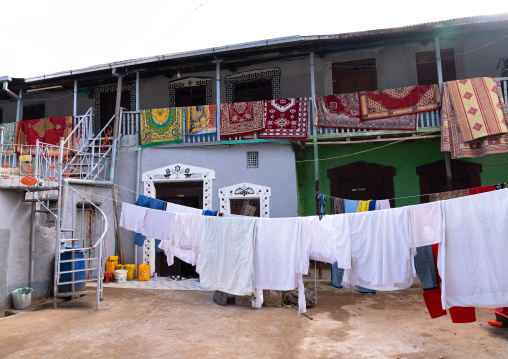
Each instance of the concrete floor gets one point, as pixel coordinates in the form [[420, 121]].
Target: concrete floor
[[139, 323]]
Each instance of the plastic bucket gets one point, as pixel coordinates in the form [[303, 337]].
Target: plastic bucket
[[121, 276], [131, 271], [22, 297]]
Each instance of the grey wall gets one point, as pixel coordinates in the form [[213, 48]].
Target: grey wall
[[5, 235]]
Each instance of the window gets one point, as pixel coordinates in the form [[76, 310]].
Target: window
[[362, 181], [426, 68], [33, 112], [354, 76], [258, 90], [252, 160], [190, 96], [433, 177]]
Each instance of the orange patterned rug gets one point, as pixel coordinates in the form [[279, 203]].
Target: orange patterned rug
[[400, 101], [478, 108]]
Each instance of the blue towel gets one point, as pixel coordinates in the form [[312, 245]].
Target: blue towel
[[372, 205], [148, 202], [207, 212], [351, 206]]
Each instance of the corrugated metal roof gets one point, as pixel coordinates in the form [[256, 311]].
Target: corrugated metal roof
[[429, 26]]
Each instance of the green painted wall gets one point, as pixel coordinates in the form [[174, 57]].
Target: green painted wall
[[404, 156]]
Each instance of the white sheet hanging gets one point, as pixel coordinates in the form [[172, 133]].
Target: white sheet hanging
[[177, 208], [158, 224], [132, 217], [226, 255], [275, 253], [381, 257], [472, 258]]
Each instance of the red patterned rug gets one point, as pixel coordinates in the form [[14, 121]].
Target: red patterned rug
[[343, 111], [399, 101], [57, 128], [286, 119], [242, 118], [48, 130]]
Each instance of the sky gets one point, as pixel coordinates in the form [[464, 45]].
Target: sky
[[46, 36]]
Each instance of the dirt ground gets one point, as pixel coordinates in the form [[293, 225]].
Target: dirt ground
[[182, 324]]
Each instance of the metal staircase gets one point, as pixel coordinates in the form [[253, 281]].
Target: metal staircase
[[43, 174]]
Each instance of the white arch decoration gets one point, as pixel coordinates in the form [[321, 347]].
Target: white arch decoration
[[245, 190], [177, 172]]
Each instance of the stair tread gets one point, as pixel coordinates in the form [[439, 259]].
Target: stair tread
[[77, 270], [66, 294], [77, 259], [75, 249], [76, 281], [66, 230]]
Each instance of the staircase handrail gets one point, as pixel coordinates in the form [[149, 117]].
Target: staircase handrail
[[84, 119]]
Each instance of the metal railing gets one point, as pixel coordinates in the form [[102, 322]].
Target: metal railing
[[92, 160], [88, 237]]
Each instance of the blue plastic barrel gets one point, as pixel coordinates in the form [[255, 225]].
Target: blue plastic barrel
[[67, 277]]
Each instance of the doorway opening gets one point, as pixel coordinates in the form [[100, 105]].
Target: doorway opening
[[185, 193]]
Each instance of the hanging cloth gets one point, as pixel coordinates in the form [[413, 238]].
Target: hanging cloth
[[148, 202]]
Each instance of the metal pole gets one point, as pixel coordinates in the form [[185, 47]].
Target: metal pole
[[137, 91], [312, 91], [217, 75], [58, 222], [137, 192], [32, 245], [449, 181], [75, 104]]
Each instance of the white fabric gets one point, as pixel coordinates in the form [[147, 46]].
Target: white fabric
[[132, 217], [226, 255], [382, 204], [158, 224], [275, 253], [177, 208], [472, 258], [426, 224], [330, 240], [381, 258]]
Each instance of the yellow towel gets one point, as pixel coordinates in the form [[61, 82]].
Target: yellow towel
[[364, 206]]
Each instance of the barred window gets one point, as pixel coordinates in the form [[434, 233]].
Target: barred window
[[252, 160]]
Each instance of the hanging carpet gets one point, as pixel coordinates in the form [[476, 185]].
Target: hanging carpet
[[343, 111], [161, 126], [286, 119], [241, 118], [9, 136], [451, 136], [399, 101], [478, 108], [200, 120], [48, 130]]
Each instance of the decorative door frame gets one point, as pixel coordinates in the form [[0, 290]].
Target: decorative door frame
[[245, 190], [177, 172]]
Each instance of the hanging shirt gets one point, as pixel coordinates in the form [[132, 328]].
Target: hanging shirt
[[472, 258], [330, 240], [382, 204], [426, 224], [132, 217], [381, 258], [226, 255]]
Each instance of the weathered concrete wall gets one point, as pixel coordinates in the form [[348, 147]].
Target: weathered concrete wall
[[5, 236]]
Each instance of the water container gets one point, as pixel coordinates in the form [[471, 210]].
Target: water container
[[110, 266], [144, 272], [121, 276], [67, 277], [131, 271], [113, 259], [22, 297], [120, 266]]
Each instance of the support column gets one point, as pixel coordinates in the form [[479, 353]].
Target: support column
[[217, 76], [75, 103], [440, 82]]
